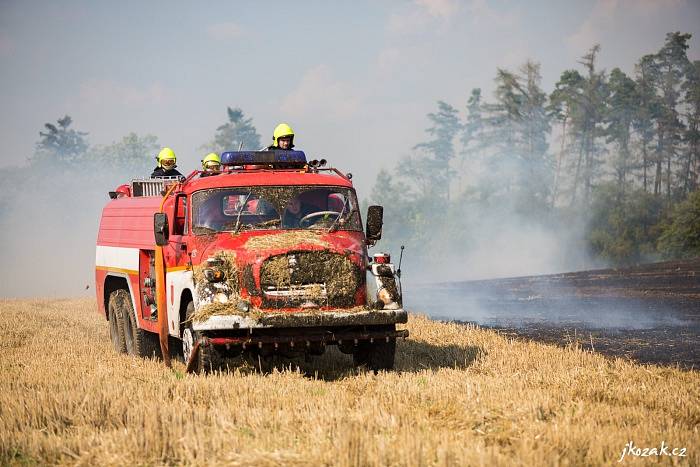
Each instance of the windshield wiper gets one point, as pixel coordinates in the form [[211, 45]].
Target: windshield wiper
[[337, 219], [240, 211]]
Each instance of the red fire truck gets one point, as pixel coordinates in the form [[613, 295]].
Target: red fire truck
[[268, 256]]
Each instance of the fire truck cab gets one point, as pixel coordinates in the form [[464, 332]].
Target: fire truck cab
[[267, 256]]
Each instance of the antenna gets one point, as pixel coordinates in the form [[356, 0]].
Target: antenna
[[398, 270], [240, 146]]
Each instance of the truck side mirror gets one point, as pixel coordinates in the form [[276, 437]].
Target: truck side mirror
[[375, 220], [161, 228]]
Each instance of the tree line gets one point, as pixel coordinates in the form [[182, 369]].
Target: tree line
[[609, 158], [62, 147], [614, 154]]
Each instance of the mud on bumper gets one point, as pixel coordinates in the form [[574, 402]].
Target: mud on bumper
[[302, 319]]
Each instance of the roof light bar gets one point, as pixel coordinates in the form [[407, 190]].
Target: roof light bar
[[274, 158]]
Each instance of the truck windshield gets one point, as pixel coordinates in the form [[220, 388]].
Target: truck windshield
[[274, 207]]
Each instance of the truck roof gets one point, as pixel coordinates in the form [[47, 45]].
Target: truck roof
[[266, 177]]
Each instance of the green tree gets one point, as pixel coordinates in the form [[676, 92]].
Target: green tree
[[680, 238], [623, 101], [584, 97], [499, 138], [472, 129], [515, 134], [536, 165], [392, 195], [438, 152], [672, 64], [623, 225], [133, 155], [646, 113], [60, 146], [690, 170], [564, 104], [238, 132]]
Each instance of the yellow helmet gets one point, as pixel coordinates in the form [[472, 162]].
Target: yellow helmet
[[166, 154], [282, 130], [211, 161]]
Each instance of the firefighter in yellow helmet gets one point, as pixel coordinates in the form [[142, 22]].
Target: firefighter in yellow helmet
[[211, 164], [166, 164], [282, 138]]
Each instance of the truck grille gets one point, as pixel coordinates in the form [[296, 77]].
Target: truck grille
[[309, 278], [304, 291]]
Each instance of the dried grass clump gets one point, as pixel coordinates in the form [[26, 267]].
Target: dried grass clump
[[228, 265], [460, 395], [286, 240], [337, 272]]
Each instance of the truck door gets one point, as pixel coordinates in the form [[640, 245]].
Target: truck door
[[178, 274]]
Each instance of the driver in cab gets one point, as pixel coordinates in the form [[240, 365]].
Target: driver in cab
[[295, 212]]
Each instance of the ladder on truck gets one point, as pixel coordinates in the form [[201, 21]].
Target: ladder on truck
[[152, 186]]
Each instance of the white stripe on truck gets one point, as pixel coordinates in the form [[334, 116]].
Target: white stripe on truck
[[117, 257]]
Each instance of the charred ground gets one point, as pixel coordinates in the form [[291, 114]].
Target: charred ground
[[649, 313]]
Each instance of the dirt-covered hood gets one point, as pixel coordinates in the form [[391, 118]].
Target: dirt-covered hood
[[251, 247], [289, 269]]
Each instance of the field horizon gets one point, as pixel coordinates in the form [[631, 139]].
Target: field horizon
[[460, 395]]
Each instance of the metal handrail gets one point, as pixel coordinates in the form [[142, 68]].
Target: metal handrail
[[152, 186]]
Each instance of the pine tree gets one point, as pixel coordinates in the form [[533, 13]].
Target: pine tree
[[440, 150], [501, 120], [536, 172], [60, 146], [238, 132], [515, 132], [646, 113], [471, 132], [132, 155], [563, 105], [672, 63], [622, 103], [690, 170], [584, 97]]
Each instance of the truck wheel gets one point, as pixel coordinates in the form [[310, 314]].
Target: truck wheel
[[116, 329], [139, 342], [377, 355], [208, 358]]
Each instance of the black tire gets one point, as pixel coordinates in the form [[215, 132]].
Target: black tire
[[208, 358], [378, 355], [116, 328], [138, 341]]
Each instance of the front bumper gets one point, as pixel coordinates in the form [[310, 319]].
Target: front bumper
[[302, 319]]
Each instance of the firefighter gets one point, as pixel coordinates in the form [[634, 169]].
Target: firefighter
[[210, 214], [211, 164], [282, 138], [295, 212], [166, 164]]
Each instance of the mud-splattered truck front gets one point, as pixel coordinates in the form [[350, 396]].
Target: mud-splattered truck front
[[267, 257]]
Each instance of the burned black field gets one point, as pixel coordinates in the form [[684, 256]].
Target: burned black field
[[648, 313]]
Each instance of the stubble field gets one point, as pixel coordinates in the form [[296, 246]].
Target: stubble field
[[460, 395]]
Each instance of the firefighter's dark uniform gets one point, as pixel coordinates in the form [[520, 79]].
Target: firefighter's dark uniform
[[160, 172]]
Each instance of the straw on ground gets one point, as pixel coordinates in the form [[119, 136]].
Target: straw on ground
[[459, 396]]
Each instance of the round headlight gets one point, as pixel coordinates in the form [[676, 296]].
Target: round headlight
[[214, 275]]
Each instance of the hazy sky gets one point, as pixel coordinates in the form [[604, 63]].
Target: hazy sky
[[354, 79]]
